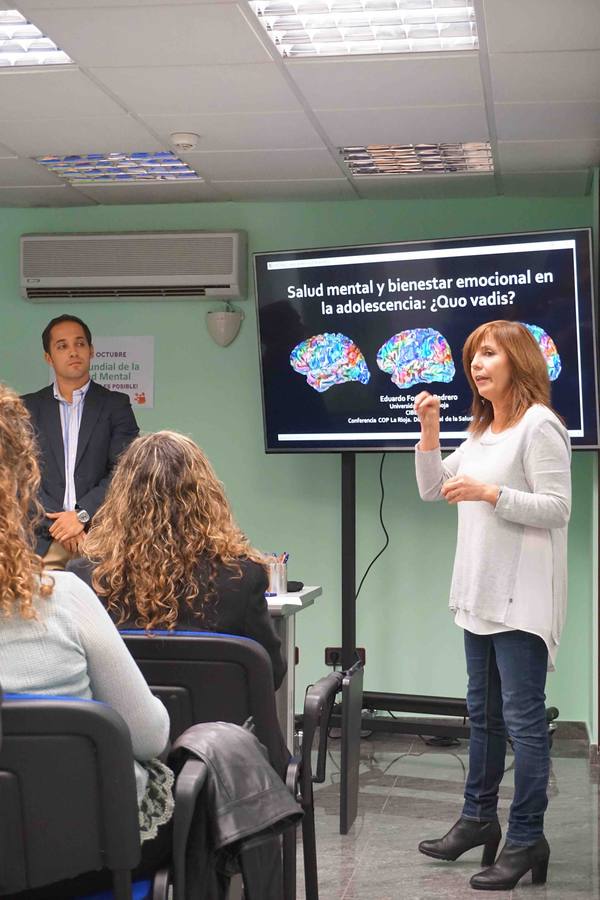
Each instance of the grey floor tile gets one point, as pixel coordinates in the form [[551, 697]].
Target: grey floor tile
[[409, 792]]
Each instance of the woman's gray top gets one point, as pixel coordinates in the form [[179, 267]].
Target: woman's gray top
[[74, 649], [532, 464]]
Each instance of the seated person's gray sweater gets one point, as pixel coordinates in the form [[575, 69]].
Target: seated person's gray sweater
[[74, 649]]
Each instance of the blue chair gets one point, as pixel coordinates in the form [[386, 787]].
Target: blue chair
[[140, 890], [67, 794], [68, 802], [207, 677]]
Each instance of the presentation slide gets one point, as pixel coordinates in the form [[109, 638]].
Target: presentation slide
[[350, 335]]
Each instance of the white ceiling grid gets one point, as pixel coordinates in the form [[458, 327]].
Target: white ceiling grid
[[270, 128]]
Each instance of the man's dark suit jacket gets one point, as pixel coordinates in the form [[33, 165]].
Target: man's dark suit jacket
[[107, 426], [239, 607]]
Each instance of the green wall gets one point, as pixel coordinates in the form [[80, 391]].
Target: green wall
[[292, 502]]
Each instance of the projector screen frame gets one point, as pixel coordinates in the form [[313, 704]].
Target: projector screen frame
[[585, 276]]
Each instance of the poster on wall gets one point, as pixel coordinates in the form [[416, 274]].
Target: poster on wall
[[126, 364]]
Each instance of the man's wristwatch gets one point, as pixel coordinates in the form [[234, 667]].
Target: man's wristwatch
[[83, 516]]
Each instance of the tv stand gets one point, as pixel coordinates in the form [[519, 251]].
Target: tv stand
[[350, 736]]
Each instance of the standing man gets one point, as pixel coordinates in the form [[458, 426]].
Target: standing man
[[81, 428]]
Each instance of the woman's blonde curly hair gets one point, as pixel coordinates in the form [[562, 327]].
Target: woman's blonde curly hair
[[21, 569], [164, 520]]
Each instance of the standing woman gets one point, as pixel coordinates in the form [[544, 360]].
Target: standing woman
[[511, 482]]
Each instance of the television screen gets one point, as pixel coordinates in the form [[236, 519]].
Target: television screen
[[349, 335]]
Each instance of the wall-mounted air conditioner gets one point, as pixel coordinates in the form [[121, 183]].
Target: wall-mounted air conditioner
[[134, 265]]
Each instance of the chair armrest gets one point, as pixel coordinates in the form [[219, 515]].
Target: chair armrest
[[188, 785], [318, 704]]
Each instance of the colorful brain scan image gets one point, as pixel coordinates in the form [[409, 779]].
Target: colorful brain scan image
[[328, 359], [548, 348], [415, 356]]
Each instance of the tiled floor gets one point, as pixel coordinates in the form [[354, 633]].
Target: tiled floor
[[410, 791]]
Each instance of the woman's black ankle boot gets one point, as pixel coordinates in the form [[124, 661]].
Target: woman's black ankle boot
[[463, 836], [514, 861]]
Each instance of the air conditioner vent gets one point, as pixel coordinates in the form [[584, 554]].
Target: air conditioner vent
[[92, 293], [138, 264]]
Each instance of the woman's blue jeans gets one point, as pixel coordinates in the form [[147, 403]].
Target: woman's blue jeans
[[507, 677]]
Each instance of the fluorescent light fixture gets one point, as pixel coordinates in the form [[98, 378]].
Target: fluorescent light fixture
[[418, 159], [118, 168], [22, 44], [304, 28]]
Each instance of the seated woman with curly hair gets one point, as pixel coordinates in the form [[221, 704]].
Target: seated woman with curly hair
[[56, 638], [164, 551]]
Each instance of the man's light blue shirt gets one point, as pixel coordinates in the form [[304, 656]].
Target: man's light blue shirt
[[70, 422]]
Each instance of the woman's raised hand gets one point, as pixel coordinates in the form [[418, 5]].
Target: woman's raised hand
[[427, 408]]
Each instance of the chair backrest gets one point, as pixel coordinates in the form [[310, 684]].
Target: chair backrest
[[207, 677], [68, 800]]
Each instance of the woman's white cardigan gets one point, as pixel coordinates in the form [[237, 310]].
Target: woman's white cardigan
[[532, 465]]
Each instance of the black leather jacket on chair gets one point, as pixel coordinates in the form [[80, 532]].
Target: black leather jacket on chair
[[244, 808]]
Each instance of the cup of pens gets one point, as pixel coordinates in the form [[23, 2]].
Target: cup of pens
[[277, 574]]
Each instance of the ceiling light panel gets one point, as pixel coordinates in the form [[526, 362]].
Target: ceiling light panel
[[22, 44], [118, 168], [418, 159], [306, 28]]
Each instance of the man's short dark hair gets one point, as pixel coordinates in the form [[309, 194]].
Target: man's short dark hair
[[58, 321]]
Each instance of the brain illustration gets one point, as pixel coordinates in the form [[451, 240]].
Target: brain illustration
[[328, 359], [548, 348], [417, 355]]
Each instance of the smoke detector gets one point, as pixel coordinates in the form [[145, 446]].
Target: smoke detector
[[184, 141]]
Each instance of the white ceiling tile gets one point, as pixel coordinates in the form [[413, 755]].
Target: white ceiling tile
[[322, 189], [539, 156], [201, 89], [546, 76], [171, 35], [52, 94], [408, 125], [39, 137], [5, 151], [264, 165], [150, 193], [27, 6], [543, 121], [242, 131], [529, 25], [424, 187], [61, 195], [145, 83], [25, 173], [547, 184], [379, 82]]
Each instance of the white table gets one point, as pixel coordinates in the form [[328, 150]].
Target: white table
[[283, 609]]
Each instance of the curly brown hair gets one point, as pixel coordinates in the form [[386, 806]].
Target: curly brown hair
[[529, 382], [21, 569], [165, 518]]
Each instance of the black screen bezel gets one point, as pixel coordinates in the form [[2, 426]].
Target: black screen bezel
[[584, 271]]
